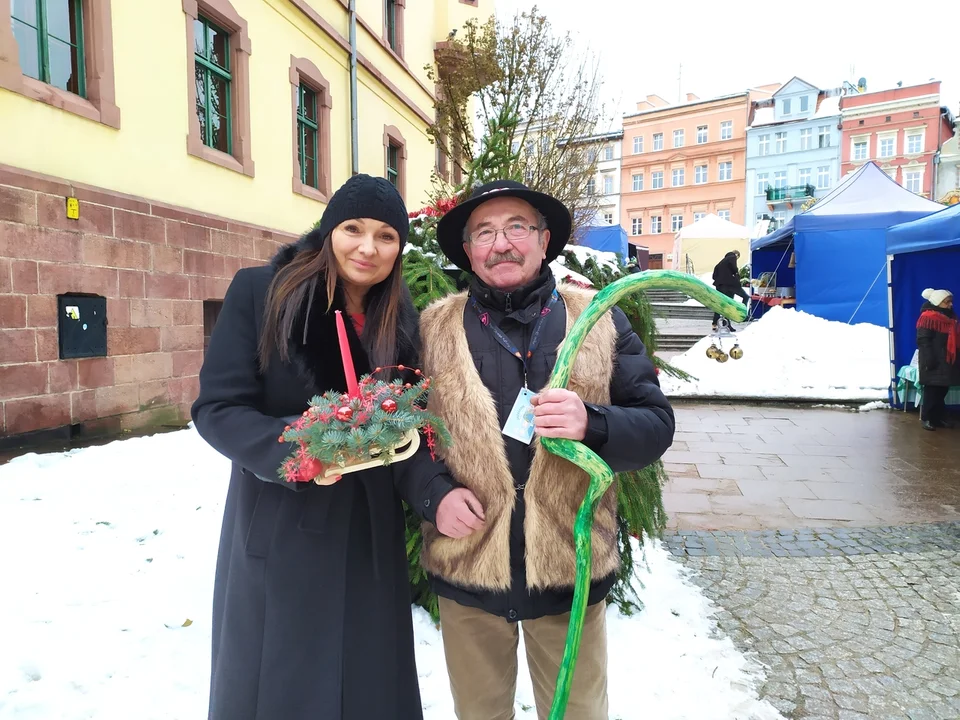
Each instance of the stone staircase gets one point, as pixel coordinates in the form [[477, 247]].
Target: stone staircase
[[665, 296], [677, 342]]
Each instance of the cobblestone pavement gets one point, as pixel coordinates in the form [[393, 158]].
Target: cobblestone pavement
[[871, 636], [830, 543]]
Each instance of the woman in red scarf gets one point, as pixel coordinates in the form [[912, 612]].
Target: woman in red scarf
[[938, 340]]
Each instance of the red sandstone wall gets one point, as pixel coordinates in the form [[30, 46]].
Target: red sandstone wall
[[154, 263]]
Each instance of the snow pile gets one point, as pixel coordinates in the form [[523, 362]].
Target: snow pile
[[876, 405], [584, 253], [108, 577], [791, 354], [560, 272]]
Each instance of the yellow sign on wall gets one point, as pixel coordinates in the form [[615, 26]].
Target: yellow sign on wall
[[73, 208]]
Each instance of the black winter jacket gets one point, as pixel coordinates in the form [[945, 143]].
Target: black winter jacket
[[725, 274], [629, 434], [312, 596], [934, 368]]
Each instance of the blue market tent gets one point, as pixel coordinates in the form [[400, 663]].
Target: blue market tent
[[840, 247], [606, 238], [924, 253]]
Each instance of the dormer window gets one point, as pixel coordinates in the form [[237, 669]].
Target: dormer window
[[804, 103], [786, 106]]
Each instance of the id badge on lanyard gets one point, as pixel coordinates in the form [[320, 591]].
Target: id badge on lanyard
[[519, 425]]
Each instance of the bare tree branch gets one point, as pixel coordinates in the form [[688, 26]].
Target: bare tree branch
[[522, 69]]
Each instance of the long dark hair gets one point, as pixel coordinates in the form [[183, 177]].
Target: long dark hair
[[292, 292]]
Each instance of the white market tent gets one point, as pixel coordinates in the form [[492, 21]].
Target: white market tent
[[699, 247]]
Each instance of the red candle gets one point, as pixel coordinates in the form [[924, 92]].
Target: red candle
[[352, 389]]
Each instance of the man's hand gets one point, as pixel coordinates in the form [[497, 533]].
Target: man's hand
[[459, 513], [559, 414]]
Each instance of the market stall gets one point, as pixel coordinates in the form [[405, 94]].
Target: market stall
[[839, 248], [921, 254], [699, 247]]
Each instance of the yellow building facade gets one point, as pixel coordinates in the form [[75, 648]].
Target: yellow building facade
[[149, 150], [146, 156]]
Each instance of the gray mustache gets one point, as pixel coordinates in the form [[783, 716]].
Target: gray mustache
[[503, 257]]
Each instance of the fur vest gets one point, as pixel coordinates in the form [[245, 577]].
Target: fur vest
[[477, 459]]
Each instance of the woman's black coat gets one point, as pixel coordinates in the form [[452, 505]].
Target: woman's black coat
[[312, 615], [934, 368]]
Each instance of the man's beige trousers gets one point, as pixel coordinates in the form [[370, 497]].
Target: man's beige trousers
[[481, 653]]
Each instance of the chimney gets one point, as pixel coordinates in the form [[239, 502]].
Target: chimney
[[657, 101], [691, 97]]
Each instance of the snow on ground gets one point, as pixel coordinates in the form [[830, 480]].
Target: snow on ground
[[791, 354], [875, 405], [108, 568]]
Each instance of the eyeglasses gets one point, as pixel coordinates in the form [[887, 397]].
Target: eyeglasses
[[514, 231]]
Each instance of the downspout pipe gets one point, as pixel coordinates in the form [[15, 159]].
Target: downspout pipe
[[936, 156], [354, 123]]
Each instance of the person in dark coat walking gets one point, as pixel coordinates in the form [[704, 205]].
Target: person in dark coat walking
[[726, 279], [312, 608], [501, 553], [938, 338]]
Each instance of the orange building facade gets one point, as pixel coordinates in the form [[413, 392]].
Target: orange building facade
[[681, 162]]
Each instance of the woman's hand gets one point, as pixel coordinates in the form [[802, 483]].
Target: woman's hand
[[313, 470]]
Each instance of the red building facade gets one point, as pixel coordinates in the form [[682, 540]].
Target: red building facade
[[900, 129]]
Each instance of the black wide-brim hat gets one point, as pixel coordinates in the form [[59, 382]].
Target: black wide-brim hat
[[450, 228]]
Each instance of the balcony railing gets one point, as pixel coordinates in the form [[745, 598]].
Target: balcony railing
[[794, 192]]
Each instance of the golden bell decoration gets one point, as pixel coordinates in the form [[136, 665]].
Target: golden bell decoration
[[736, 352], [712, 352], [721, 356], [793, 260]]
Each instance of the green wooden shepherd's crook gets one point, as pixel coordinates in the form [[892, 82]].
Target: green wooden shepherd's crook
[[580, 455]]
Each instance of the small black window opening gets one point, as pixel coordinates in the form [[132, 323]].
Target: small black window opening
[[211, 311], [860, 123], [82, 326], [888, 118]]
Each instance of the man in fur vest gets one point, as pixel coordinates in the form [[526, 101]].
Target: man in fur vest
[[501, 553]]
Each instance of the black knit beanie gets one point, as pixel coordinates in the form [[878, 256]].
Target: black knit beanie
[[363, 196]]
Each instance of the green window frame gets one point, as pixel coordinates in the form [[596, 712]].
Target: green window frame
[[214, 78], [39, 26], [393, 165], [308, 136], [390, 12]]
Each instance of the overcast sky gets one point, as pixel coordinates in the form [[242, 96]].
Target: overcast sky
[[725, 47]]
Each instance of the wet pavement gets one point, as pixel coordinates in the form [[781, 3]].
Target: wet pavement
[[830, 542], [754, 468]]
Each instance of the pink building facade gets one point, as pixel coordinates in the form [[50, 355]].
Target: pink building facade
[[901, 129]]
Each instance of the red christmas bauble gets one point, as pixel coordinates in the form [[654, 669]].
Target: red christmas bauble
[[344, 414], [309, 469], [389, 405]]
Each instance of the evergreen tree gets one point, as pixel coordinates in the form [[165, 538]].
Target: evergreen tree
[[640, 503]]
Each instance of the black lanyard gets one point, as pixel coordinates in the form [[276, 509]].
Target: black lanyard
[[506, 342]]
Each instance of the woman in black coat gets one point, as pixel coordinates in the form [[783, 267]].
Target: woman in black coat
[[312, 616], [726, 279], [938, 337]]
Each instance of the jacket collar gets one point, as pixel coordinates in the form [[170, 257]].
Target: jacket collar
[[522, 304]]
